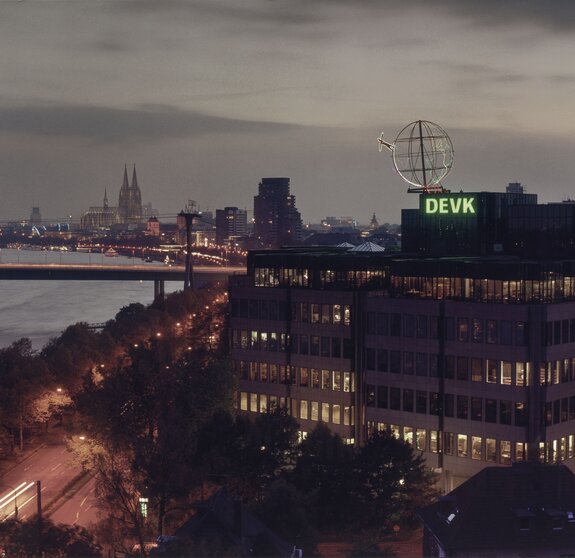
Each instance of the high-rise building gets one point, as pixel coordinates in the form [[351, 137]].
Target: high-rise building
[[469, 358], [35, 216], [277, 221], [231, 223]]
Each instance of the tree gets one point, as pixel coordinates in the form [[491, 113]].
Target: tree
[[391, 481], [23, 379], [22, 539]]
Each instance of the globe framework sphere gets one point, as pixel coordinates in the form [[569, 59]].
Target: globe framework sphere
[[423, 154]]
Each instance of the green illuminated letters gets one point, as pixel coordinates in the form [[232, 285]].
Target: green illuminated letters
[[449, 205]]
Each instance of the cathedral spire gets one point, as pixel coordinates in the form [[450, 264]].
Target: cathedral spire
[[134, 178], [105, 197], [125, 183]]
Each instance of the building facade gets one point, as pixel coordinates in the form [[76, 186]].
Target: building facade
[[471, 359], [231, 223]]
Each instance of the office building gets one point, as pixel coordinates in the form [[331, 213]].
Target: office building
[[470, 358], [231, 224], [277, 222]]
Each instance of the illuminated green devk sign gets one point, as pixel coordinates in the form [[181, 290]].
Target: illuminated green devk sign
[[449, 205]]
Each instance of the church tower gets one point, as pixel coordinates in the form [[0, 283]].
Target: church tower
[[130, 200]]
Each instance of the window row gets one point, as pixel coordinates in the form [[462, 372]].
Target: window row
[[464, 368], [475, 330], [557, 371], [257, 309], [464, 407], [325, 314], [313, 345], [331, 413], [315, 378], [560, 410], [455, 444], [558, 332]]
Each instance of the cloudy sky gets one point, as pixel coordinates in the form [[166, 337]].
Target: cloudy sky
[[208, 96]]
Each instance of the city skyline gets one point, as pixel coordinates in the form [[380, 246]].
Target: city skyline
[[208, 97]]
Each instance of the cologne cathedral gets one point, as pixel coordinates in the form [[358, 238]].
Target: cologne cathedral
[[127, 212]]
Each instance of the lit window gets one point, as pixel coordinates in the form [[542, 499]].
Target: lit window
[[476, 448], [325, 412], [303, 409], [337, 314], [520, 374], [505, 373], [505, 451], [519, 451], [243, 401], [325, 379], [314, 410], [336, 414], [462, 443], [408, 434], [421, 439], [254, 402], [263, 403], [433, 441], [394, 430], [491, 371], [336, 380]]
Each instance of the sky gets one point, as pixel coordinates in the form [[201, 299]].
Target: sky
[[206, 97]]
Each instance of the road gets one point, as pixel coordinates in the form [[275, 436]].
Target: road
[[53, 465]]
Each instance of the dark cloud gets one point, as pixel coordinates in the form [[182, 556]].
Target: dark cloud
[[146, 123]]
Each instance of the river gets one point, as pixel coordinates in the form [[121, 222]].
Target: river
[[41, 310]]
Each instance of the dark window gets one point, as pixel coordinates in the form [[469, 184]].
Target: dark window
[[548, 413], [336, 347], [476, 370], [325, 342], [264, 310], [462, 329], [505, 412], [244, 308], [314, 345], [370, 358], [303, 344], [556, 332], [273, 309], [394, 398], [450, 329], [433, 403], [433, 359], [477, 330], [547, 334], [382, 360], [556, 411], [449, 404], [304, 308], [235, 307], [408, 325], [433, 327], [572, 331], [421, 327], [253, 312], [421, 402], [506, 334], [382, 323], [565, 331], [520, 333], [449, 368], [347, 348], [371, 320], [382, 397], [476, 408], [520, 414], [490, 410], [395, 325], [294, 343], [370, 400], [408, 363], [408, 400], [283, 308], [421, 364], [395, 362], [491, 331], [462, 406], [462, 368]]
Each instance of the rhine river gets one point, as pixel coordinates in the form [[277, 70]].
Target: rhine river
[[41, 310]]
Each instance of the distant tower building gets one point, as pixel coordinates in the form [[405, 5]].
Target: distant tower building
[[373, 224], [130, 200], [276, 219], [99, 217], [514, 188], [35, 217], [230, 222], [153, 227]]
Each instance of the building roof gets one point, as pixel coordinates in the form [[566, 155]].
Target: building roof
[[526, 506], [368, 247]]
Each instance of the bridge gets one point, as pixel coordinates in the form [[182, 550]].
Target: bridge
[[116, 272]]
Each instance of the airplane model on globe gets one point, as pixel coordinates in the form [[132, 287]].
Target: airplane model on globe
[[383, 143]]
